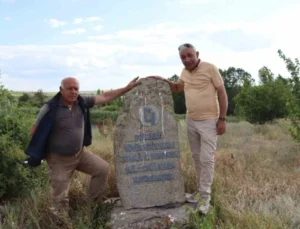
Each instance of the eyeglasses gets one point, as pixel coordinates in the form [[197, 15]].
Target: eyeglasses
[[186, 45]]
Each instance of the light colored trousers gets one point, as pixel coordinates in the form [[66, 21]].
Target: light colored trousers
[[61, 169], [202, 136]]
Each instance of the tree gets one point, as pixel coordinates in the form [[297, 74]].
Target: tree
[[99, 92], [7, 97], [178, 98], [24, 99], [234, 79], [39, 98], [293, 104], [265, 75], [264, 102]]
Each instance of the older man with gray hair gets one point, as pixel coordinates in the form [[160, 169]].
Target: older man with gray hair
[[60, 135], [205, 118]]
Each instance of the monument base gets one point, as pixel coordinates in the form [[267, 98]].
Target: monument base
[[149, 218]]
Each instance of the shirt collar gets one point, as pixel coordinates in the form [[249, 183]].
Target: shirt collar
[[197, 66]]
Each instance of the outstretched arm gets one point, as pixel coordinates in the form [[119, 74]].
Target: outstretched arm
[[174, 86], [113, 94]]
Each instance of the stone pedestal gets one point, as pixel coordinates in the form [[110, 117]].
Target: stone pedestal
[[149, 218]]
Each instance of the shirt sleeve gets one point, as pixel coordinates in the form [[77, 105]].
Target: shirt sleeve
[[89, 100], [216, 77], [44, 109]]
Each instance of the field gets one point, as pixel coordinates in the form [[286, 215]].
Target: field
[[256, 186]]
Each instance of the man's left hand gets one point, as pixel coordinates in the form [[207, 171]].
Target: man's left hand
[[221, 127], [32, 162], [132, 83]]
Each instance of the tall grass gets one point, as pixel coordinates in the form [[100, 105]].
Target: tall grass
[[257, 184]]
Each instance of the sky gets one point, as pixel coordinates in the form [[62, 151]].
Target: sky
[[107, 44]]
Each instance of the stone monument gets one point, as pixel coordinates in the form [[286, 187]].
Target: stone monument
[[147, 152]]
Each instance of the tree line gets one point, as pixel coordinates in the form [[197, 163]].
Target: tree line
[[271, 98]]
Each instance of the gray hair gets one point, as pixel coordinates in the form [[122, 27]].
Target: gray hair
[[62, 83], [186, 45]]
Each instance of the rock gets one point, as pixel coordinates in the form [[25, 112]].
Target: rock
[[146, 148], [149, 218]]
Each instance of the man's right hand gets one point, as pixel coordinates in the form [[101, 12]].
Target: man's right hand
[[174, 86]]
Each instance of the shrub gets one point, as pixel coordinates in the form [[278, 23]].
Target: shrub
[[111, 108], [265, 102], [100, 115], [15, 179], [293, 104]]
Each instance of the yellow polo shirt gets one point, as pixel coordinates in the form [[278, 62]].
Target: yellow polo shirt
[[201, 96]]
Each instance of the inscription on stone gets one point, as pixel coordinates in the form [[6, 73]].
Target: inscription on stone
[[146, 146]]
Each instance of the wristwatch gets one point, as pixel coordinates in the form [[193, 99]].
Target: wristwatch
[[222, 118]]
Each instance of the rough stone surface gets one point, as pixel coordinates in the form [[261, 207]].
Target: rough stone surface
[[146, 147], [149, 218]]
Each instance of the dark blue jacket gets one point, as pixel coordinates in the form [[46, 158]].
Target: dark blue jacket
[[37, 147]]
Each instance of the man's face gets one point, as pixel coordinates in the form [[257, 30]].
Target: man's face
[[189, 58], [70, 90]]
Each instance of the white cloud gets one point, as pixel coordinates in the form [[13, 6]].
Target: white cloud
[[78, 21], [92, 19], [101, 37], [74, 31], [87, 19], [24, 84], [7, 18], [98, 27], [55, 23], [111, 60]]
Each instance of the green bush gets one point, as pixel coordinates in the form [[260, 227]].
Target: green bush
[[16, 179], [265, 102], [293, 67], [100, 115], [111, 108]]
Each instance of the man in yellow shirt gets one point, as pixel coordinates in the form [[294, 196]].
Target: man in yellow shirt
[[206, 102]]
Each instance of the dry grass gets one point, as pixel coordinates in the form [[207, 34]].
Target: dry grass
[[257, 182], [257, 170]]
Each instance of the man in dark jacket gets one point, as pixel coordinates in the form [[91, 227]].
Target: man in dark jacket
[[60, 135]]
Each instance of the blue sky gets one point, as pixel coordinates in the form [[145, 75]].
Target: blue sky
[[106, 44]]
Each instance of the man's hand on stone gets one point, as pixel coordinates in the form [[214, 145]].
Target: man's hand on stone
[[132, 83]]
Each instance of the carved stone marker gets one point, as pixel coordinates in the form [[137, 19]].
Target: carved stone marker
[[146, 147]]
